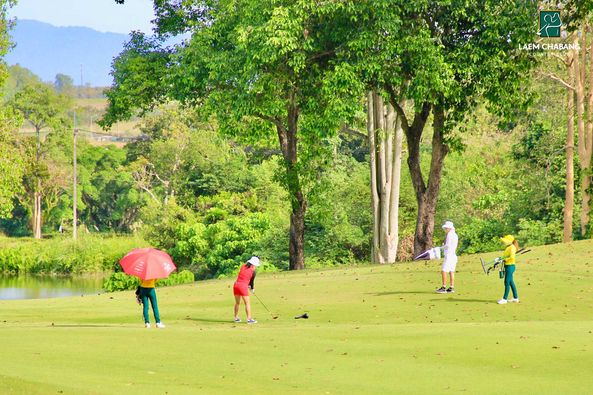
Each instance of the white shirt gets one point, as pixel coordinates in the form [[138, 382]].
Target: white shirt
[[450, 246]]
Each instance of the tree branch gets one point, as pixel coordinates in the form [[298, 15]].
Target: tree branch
[[275, 121], [353, 132], [564, 61], [400, 111], [560, 80]]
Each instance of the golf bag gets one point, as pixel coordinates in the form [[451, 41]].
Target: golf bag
[[137, 294], [488, 266], [433, 253]]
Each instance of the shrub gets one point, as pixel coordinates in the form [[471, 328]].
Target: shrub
[[121, 282], [539, 232], [229, 230], [61, 255]]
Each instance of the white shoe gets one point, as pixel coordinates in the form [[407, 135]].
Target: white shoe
[[147, 325], [502, 301], [237, 319], [515, 300], [160, 325]]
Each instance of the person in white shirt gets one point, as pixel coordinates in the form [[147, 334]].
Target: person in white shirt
[[450, 262]]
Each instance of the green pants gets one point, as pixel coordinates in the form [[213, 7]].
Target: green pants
[[147, 294], [509, 282]]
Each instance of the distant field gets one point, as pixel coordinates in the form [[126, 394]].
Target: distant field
[[92, 112], [372, 330], [96, 103]]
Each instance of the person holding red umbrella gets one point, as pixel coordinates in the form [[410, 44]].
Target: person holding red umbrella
[[244, 282], [146, 293], [148, 264]]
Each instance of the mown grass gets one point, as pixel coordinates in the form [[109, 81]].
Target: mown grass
[[372, 329]]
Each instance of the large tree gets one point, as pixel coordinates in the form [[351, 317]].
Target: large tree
[[5, 44], [45, 110], [11, 165], [264, 68], [578, 81], [443, 58], [385, 145]]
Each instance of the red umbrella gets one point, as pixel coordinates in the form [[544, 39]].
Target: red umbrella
[[147, 263]]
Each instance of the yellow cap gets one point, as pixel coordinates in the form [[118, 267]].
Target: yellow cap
[[507, 240]]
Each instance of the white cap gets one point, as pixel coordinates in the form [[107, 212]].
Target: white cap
[[448, 225], [254, 261]]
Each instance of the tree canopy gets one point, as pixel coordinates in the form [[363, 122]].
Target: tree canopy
[[264, 68], [444, 58]]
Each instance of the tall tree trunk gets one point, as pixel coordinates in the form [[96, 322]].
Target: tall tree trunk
[[585, 137], [385, 141], [426, 193], [569, 193], [37, 216], [573, 77], [37, 193], [289, 144], [375, 248], [427, 200], [297, 234]]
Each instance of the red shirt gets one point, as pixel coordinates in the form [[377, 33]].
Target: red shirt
[[245, 274]]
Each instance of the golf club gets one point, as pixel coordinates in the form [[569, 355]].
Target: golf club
[[265, 307], [491, 265]]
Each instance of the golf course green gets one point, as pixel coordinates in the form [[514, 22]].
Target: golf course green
[[372, 330]]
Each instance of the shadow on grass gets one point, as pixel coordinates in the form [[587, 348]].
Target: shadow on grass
[[89, 326], [401, 293], [463, 300], [209, 320]]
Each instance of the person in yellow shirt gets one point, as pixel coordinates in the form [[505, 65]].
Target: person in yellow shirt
[[146, 293], [511, 248]]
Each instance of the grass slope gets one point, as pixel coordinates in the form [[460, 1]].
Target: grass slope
[[373, 329]]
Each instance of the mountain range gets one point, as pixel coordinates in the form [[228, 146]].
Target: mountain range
[[80, 52]]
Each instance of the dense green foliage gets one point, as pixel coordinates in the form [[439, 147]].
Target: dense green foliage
[[120, 281], [92, 254], [5, 25], [11, 163], [287, 88], [212, 199]]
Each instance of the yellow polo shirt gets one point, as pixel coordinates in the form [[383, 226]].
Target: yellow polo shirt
[[148, 283], [509, 255]]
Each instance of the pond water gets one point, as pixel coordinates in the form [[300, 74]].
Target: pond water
[[37, 287]]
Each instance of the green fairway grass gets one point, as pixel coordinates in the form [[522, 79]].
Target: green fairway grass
[[372, 330]]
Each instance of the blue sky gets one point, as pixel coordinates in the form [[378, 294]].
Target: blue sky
[[101, 15]]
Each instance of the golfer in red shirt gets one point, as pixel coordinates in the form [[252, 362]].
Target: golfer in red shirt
[[241, 288]]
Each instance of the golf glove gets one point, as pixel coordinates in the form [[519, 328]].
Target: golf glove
[[252, 290]]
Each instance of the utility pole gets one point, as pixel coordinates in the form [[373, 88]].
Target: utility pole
[[81, 81], [74, 182]]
